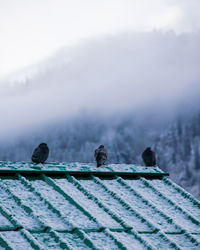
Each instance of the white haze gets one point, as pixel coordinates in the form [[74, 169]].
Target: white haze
[[132, 72], [31, 30]]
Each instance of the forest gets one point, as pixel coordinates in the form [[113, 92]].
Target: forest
[[176, 145], [127, 91]]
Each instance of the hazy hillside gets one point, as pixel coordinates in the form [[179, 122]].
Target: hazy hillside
[[127, 91], [178, 149]]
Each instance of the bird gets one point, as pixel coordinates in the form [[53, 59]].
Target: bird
[[100, 155], [40, 153], [149, 157]]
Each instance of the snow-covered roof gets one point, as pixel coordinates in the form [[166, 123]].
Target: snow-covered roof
[[77, 206]]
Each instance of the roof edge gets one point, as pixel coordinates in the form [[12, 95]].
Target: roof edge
[[83, 173]]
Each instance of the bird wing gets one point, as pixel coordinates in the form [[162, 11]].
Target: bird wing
[[45, 154], [36, 154], [101, 155], [96, 153], [105, 153]]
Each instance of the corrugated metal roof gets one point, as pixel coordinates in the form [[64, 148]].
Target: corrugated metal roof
[[77, 206]]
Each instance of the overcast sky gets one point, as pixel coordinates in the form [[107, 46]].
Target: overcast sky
[[33, 30], [105, 56]]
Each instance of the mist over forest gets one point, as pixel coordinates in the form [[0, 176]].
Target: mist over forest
[[126, 91]]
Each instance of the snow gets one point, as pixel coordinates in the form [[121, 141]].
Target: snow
[[121, 211], [84, 167], [23, 217], [163, 204], [133, 168], [73, 240], [16, 240], [177, 197], [69, 212], [197, 237], [102, 241], [46, 240], [129, 241], [157, 241], [39, 209], [88, 204], [136, 202], [5, 223], [97, 210], [183, 241]]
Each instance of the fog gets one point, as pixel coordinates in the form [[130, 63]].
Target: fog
[[136, 87], [132, 72], [126, 91], [32, 30]]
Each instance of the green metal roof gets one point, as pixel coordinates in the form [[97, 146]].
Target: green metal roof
[[77, 206]]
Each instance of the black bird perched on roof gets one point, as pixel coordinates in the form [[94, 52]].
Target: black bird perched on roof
[[40, 154], [100, 155], [149, 157]]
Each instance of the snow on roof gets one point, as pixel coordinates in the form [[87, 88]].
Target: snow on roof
[[77, 206]]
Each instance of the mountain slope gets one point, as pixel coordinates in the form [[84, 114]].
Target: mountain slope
[[179, 152]]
